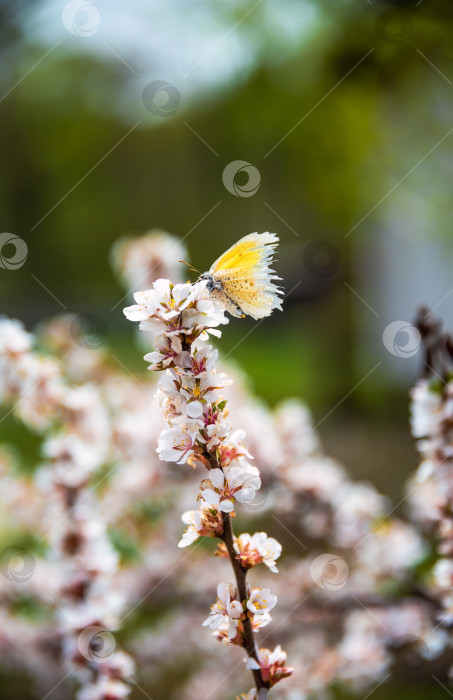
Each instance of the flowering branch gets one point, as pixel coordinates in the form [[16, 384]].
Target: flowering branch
[[431, 422], [369, 607], [240, 574], [182, 317]]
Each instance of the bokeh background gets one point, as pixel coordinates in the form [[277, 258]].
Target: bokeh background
[[120, 117]]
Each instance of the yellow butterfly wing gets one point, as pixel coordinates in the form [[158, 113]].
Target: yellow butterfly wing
[[246, 277], [250, 251], [256, 299]]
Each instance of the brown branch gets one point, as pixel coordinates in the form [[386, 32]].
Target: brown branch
[[240, 574], [437, 345]]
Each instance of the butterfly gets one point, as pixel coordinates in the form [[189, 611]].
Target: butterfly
[[241, 279]]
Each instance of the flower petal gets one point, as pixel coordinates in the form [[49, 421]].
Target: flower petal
[[211, 497], [217, 478], [226, 506], [194, 409]]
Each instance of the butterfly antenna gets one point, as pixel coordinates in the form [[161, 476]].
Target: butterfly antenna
[[193, 269]]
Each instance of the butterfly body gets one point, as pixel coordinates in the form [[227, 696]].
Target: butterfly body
[[215, 289], [241, 279]]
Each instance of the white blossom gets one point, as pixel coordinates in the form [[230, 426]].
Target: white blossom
[[225, 606], [206, 521], [141, 260], [233, 483], [167, 350], [176, 444], [258, 548], [261, 601], [103, 688], [426, 410]]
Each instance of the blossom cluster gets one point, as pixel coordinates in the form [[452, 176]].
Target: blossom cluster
[[181, 318], [431, 489], [140, 260], [76, 445], [254, 549], [354, 604]]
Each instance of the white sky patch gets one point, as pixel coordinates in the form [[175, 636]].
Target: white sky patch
[[198, 47]]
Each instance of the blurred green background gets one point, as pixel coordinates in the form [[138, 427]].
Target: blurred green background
[[345, 111], [343, 108]]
